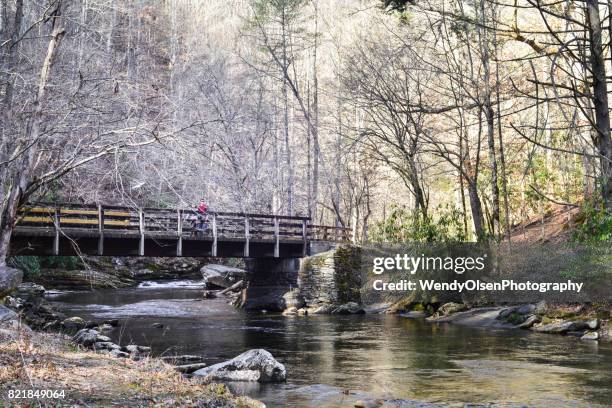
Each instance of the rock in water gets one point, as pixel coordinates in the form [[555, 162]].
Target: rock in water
[[526, 309], [450, 308], [590, 336], [253, 365], [530, 321], [562, 327], [30, 291], [10, 278], [73, 323], [349, 308], [221, 276]]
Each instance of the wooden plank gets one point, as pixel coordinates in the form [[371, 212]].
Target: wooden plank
[[41, 210], [75, 221]]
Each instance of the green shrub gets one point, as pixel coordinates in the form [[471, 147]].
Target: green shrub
[[30, 265], [595, 224], [404, 225]]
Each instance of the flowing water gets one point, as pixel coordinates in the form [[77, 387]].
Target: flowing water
[[381, 355]]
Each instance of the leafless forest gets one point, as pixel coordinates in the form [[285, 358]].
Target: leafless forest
[[464, 116]]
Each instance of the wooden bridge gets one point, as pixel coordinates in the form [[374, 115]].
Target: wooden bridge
[[68, 229]]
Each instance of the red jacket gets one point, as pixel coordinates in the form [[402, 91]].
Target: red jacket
[[202, 208]]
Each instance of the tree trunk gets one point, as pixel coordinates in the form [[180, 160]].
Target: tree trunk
[[14, 195], [603, 142], [488, 109], [476, 209]]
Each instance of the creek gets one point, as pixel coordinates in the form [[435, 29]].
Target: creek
[[382, 355]]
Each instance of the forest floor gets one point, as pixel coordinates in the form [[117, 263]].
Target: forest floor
[[48, 361], [556, 225]]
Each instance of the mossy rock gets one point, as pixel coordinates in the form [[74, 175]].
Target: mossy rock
[[515, 318], [417, 307]]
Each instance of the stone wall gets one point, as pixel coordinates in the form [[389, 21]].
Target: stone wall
[[331, 277]]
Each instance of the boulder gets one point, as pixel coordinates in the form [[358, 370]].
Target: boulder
[[526, 309], [106, 345], [302, 312], [593, 324], [293, 299], [320, 309], [30, 291], [507, 312], [14, 303], [7, 315], [292, 311], [221, 276], [89, 337], [86, 337], [592, 335], [105, 327], [134, 349], [119, 353], [10, 278], [529, 322], [253, 365], [450, 308], [73, 323], [541, 307], [348, 308], [562, 327]]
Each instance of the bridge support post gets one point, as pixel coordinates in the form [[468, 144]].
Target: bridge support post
[[304, 238], [100, 230], [214, 232], [141, 225], [179, 232], [247, 237], [276, 238], [56, 222]]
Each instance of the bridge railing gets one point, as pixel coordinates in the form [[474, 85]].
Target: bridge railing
[[161, 222], [177, 224], [329, 233]]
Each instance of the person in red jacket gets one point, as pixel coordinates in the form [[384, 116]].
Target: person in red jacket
[[202, 209]]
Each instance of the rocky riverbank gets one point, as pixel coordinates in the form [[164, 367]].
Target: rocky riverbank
[[587, 322], [51, 361]]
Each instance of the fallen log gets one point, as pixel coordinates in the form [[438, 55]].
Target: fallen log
[[189, 368], [236, 286]]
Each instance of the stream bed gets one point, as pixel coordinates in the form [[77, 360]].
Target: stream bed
[[382, 355]]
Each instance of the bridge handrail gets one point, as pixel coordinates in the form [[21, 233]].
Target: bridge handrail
[[145, 209]]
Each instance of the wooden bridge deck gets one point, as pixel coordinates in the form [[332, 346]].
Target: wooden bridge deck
[[67, 229]]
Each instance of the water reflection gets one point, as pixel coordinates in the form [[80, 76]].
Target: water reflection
[[379, 354]]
